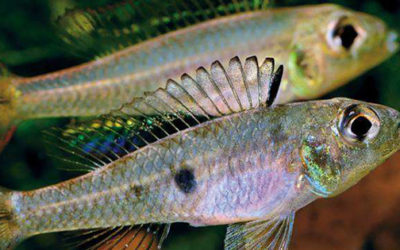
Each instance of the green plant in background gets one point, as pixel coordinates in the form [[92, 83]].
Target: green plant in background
[[28, 47]]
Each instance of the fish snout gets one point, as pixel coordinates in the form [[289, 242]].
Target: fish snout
[[392, 41]]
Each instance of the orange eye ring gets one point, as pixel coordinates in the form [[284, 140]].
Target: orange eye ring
[[359, 124]]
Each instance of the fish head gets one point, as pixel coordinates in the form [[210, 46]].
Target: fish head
[[357, 138], [334, 45], [368, 135]]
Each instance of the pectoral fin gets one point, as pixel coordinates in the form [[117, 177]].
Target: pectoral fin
[[269, 234]]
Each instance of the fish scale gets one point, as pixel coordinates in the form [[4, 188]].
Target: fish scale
[[116, 179]]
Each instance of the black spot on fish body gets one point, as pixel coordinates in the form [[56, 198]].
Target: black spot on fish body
[[138, 191], [185, 180]]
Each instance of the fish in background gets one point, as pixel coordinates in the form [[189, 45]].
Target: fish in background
[[212, 149], [322, 46]]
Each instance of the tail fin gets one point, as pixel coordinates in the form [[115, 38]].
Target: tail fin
[[9, 232], [7, 111]]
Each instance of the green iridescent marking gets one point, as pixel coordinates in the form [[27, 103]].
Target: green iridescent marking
[[320, 170]]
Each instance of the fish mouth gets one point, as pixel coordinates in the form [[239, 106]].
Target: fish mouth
[[392, 42]]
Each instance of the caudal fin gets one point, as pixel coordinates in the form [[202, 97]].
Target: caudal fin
[[7, 112], [9, 232]]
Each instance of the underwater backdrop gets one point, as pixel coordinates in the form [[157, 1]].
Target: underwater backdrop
[[28, 47]]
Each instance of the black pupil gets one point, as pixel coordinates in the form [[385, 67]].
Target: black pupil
[[360, 126], [347, 35]]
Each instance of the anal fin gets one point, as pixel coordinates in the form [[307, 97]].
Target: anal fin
[[146, 237], [269, 234]]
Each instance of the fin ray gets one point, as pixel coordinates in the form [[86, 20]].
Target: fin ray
[[150, 236], [117, 26], [270, 234], [10, 232], [210, 94]]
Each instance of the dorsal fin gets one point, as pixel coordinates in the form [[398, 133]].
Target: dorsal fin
[[106, 29], [218, 92]]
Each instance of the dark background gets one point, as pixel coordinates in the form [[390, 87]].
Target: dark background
[[28, 47]]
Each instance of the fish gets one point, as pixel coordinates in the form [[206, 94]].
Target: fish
[[211, 149], [322, 46]]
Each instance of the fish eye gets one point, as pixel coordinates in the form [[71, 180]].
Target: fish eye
[[342, 34], [359, 124], [347, 35]]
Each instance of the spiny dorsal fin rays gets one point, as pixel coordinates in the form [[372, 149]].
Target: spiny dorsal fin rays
[[178, 106], [106, 29], [221, 92], [274, 86]]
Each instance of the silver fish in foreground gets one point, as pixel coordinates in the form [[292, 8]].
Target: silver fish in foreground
[[217, 152]]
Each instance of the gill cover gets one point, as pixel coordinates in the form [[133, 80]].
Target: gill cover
[[304, 73], [320, 169]]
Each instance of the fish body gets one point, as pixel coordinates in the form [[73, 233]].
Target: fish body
[[237, 178], [308, 40], [254, 167], [246, 167]]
